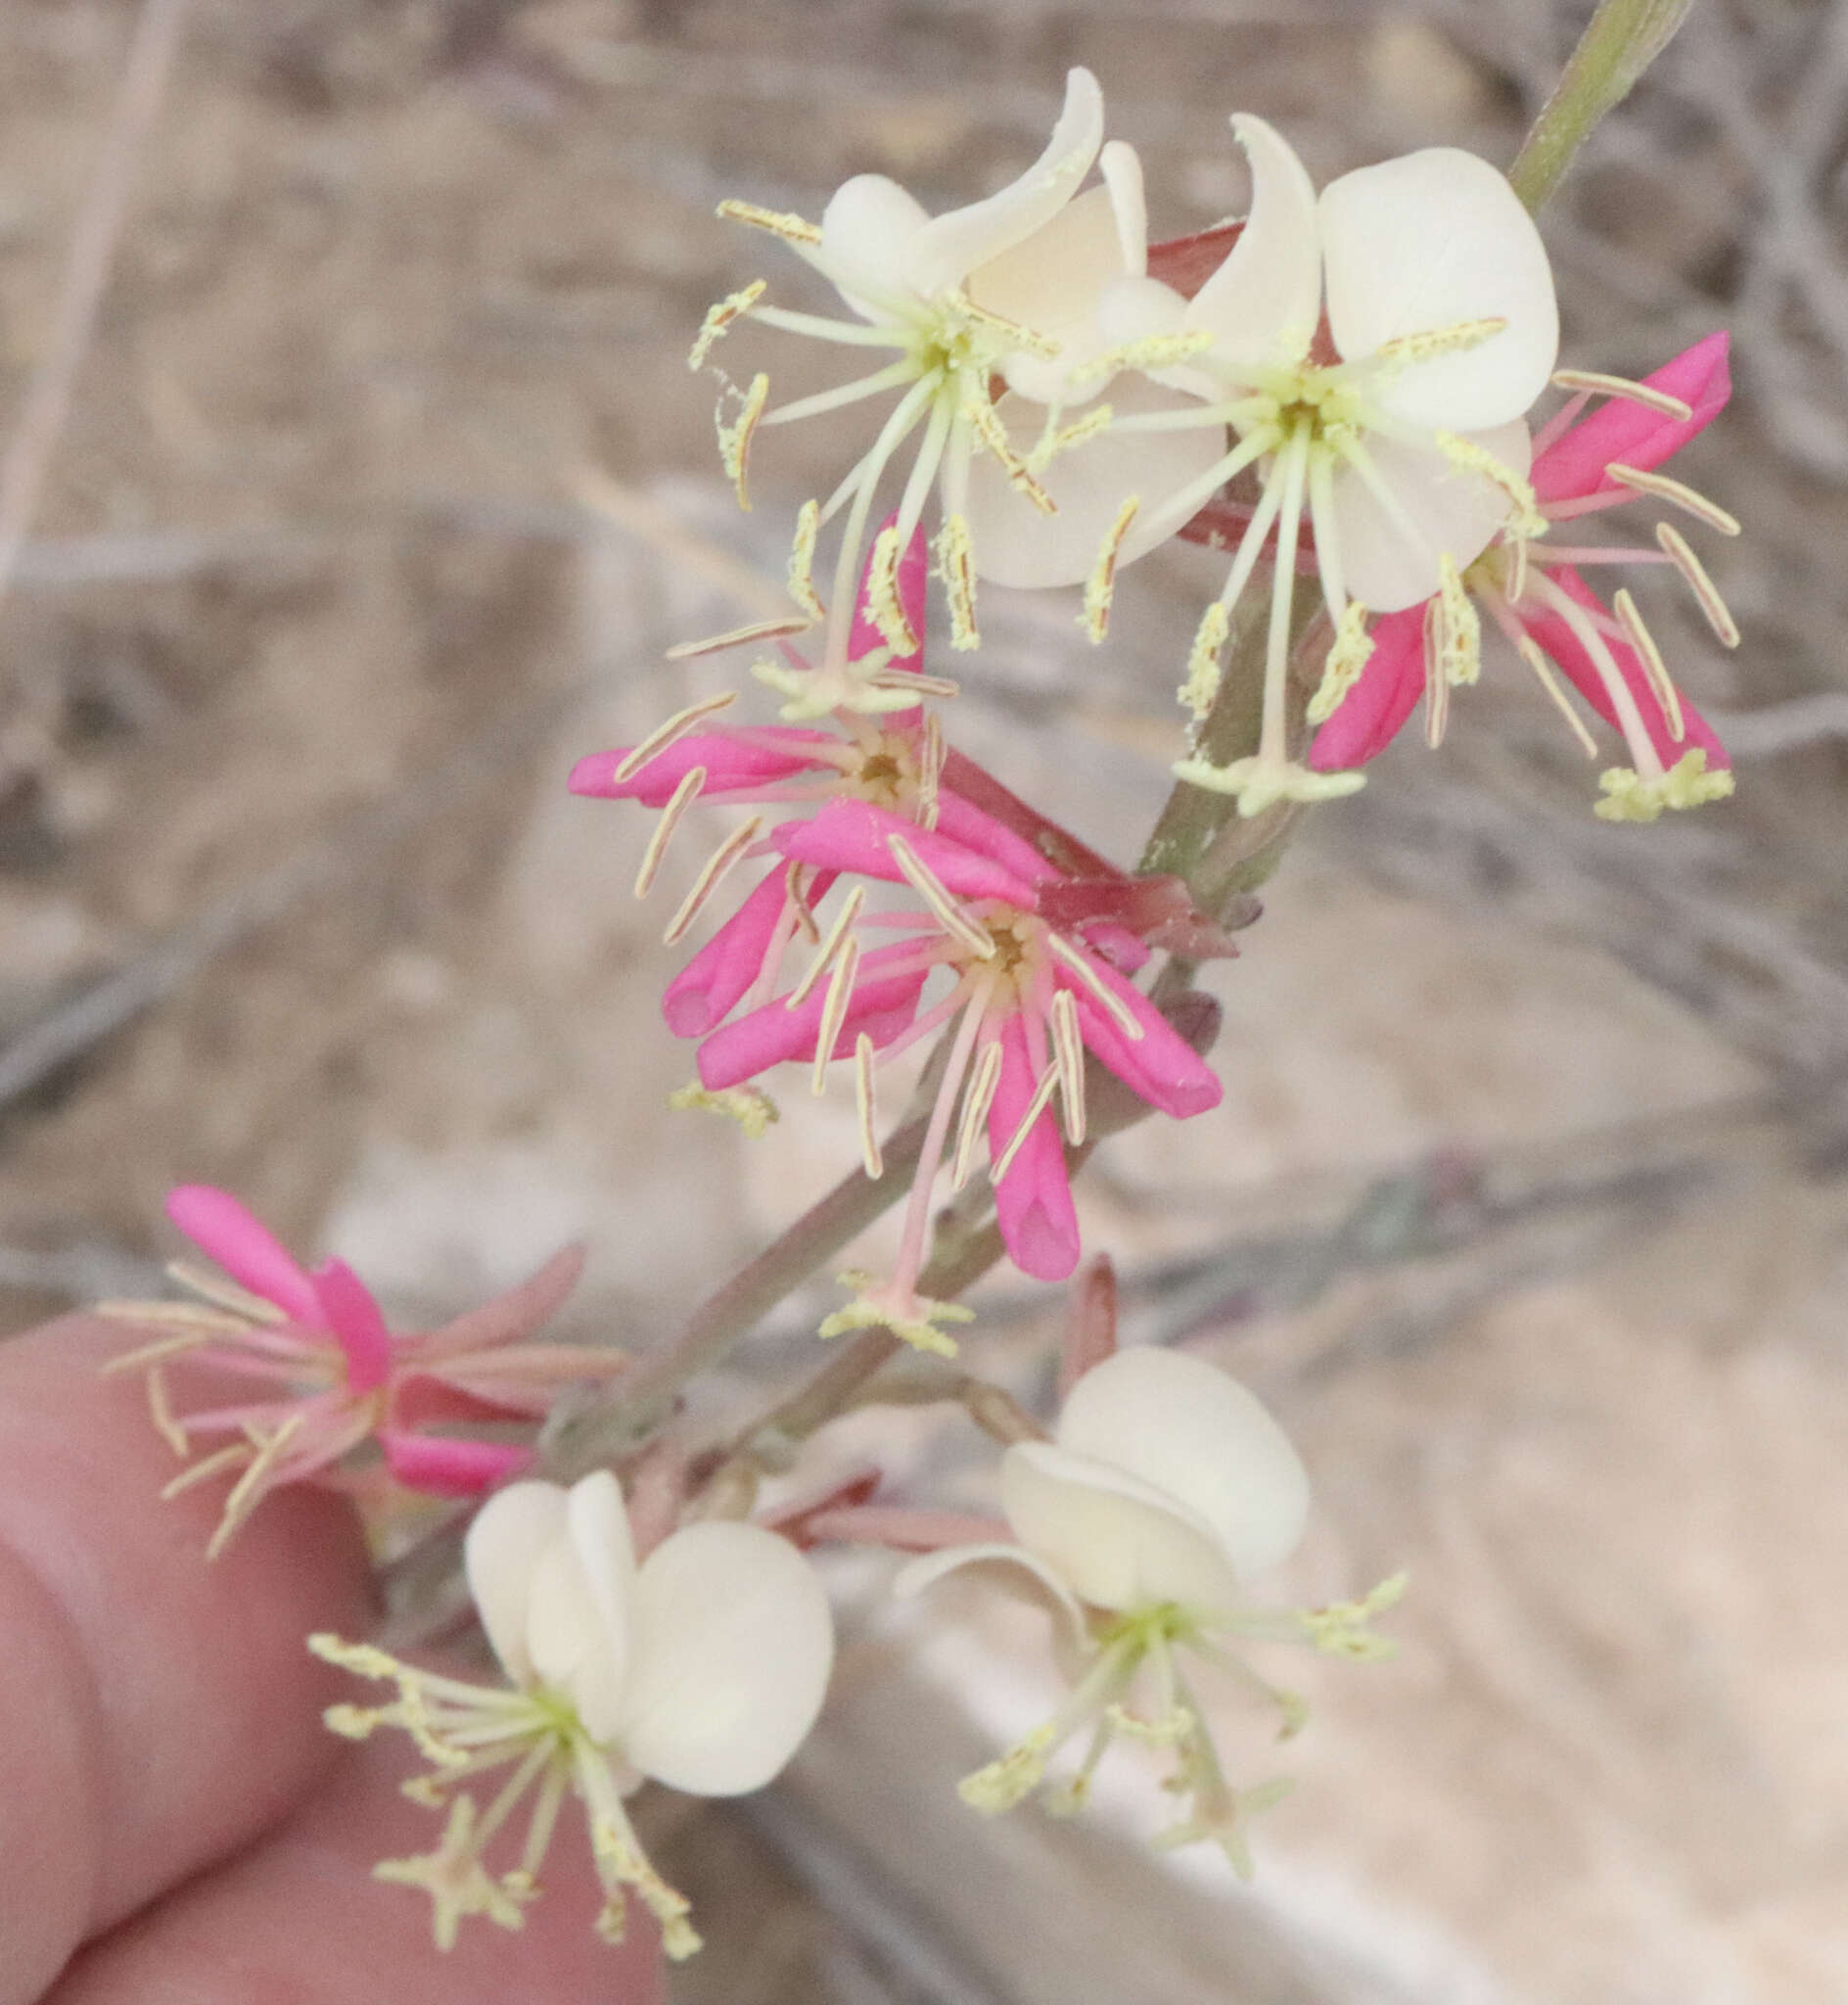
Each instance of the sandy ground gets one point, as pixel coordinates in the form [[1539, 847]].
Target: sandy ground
[[1521, 1205]]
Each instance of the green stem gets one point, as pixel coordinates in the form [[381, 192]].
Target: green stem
[[1620, 42]]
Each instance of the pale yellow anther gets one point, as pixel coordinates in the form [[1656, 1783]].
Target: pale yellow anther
[[1593, 383], [1056, 439], [656, 850], [1525, 520], [802, 559], [829, 949], [986, 425], [978, 1097], [734, 438], [1004, 1783], [1148, 352], [1100, 587], [834, 1008], [1347, 655], [1202, 685], [1068, 1053], [1113, 1006], [670, 733], [1664, 488], [954, 564], [1661, 683], [750, 1106], [1531, 654], [738, 637], [882, 593], [711, 874], [1455, 339], [793, 229], [1718, 614], [930, 889], [1437, 684], [1009, 334], [1043, 1092], [867, 1106], [719, 317], [1460, 627], [1342, 1628], [1630, 796]]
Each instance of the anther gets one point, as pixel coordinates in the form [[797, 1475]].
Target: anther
[[663, 735], [1041, 1094], [1530, 653], [1591, 383], [793, 229], [691, 781], [834, 1013], [719, 319], [1646, 481], [1112, 1005], [869, 1152], [930, 889], [1100, 587], [1719, 617], [977, 1098], [1068, 1051], [1661, 684], [734, 440], [830, 946], [711, 877], [955, 566]]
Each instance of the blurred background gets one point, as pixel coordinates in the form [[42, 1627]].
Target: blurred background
[[381, 493]]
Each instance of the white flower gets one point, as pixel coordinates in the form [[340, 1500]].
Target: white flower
[[1373, 354], [703, 1667], [1007, 287], [1166, 1487]]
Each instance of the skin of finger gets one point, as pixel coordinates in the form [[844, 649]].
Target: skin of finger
[[159, 1710], [296, 1921]]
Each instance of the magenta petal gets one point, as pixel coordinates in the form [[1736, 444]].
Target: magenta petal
[[731, 763], [961, 820], [719, 975], [1577, 462], [882, 1005], [246, 1248], [1372, 713], [445, 1468], [354, 1317], [1557, 639], [1032, 1202], [914, 570], [853, 835], [1160, 1066]]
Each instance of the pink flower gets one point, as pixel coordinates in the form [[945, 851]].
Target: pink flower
[[1536, 596], [329, 1374], [1030, 993]]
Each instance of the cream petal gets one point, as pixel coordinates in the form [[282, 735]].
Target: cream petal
[[733, 1646], [1015, 1568], [866, 232], [1135, 309], [1429, 241], [501, 1549], [1051, 284], [1264, 303], [1016, 545], [950, 247], [570, 1642], [1199, 1438], [1117, 1541], [600, 1536], [1122, 168], [1454, 510]]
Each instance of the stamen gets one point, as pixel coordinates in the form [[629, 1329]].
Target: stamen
[[989, 429], [663, 735], [1623, 699], [870, 1158], [1202, 685], [719, 317], [246, 1491], [833, 1013], [1516, 549], [734, 440], [1101, 584], [1151, 352], [717, 864], [1013, 335], [750, 1106], [796, 882], [1455, 340], [1527, 520], [1679, 492], [739, 636], [1068, 1054], [830, 946], [882, 595], [1530, 652], [1055, 440], [225, 1294], [1112, 1005], [802, 560], [234, 1457], [976, 1102], [160, 1412], [1661, 684], [1460, 627], [1041, 1094], [930, 771], [1719, 617], [793, 229], [1437, 684], [1592, 383], [955, 566], [679, 801], [929, 888], [1349, 654]]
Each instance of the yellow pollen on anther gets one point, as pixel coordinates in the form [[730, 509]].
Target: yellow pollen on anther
[[1012, 336], [882, 595], [1100, 587], [802, 559], [1459, 631], [1465, 454], [1202, 685], [750, 1106], [734, 440], [986, 425], [1150, 351], [1455, 339], [793, 229], [719, 317], [1347, 655], [955, 566], [1055, 438]]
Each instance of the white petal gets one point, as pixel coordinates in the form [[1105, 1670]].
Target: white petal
[[1135, 309], [866, 231], [1122, 168], [1118, 1542], [503, 1548], [1430, 240], [1264, 303], [570, 1641], [1195, 1435], [1016, 545], [733, 1646], [950, 247], [606, 1551], [1016, 1570], [1455, 511], [1052, 284]]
